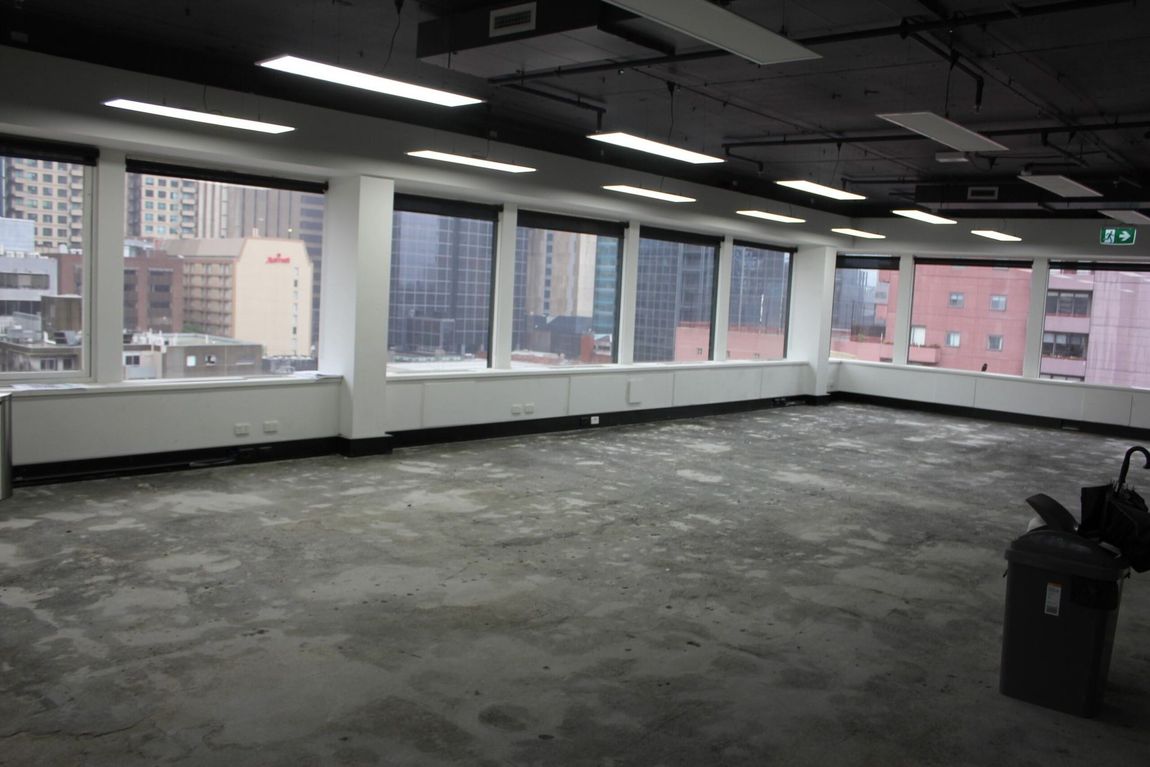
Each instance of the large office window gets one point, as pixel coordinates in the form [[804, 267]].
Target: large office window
[[865, 308], [674, 296], [44, 203], [760, 299], [1096, 328], [218, 280], [566, 286], [995, 300], [442, 257]]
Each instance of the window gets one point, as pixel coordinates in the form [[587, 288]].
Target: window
[[566, 285], [180, 316], [759, 300], [674, 296], [864, 311], [1096, 328], [1068, 303], [42, 314], [918, 335], [132, 360], [442, 257], [1065, 345], [1000, 297]]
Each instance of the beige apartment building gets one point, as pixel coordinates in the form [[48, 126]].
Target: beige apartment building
[[249, 289]]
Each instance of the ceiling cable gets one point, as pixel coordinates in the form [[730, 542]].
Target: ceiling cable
[[395, 32]]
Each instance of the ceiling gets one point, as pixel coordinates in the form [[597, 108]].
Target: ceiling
[[1063, 84]]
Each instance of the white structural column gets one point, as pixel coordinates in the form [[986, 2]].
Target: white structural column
[[354, 299], [723, 298], [503, 314], [106, 268], [1036, 318], [812, 295], [905, 298], [625, 343]]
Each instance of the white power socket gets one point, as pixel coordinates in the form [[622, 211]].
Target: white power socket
[[242, 429]]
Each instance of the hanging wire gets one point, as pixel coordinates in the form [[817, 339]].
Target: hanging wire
[[395, 32]]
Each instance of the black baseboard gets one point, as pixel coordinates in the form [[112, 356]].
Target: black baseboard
[[96, 468], [151, 463], [999, 416]]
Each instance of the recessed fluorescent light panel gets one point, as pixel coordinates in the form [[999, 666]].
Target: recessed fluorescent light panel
[[654, 147], [990, 234], [825, 191], [779, 217], [328, 73], [943, 131], [197, 117], [951, 157], [708, 22], [919, 215], [640, 192], [475, 162], [1060, 185], [1127, 216], [860, 233]]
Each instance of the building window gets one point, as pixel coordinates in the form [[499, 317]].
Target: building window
[[224, 289], [442, 258], [759, 300], [864, 309], [1065, 345], [1000, 317], [918, 335], [674, 297], [132, 360], [1068, 303], [566, 286]]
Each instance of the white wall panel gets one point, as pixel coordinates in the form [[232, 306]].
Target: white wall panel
[[791, 380], [609, 393], [404, 405], [1140, 410], [470, 401], [1111, 406], [706, 387], [96, 424]]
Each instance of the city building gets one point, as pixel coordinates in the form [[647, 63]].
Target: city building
[[188, 355], [247, 288], [46, 193]]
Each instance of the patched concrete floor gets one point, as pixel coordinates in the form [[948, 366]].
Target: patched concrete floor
[[799, 586]]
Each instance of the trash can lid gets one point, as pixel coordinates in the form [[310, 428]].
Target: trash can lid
[[1067, 552]]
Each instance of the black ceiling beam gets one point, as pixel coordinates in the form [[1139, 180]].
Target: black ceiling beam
[[903, 29], [883, 137]]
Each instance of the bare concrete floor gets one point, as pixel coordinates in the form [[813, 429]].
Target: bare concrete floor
[[800, 586]]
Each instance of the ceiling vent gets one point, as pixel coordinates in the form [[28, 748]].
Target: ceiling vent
[[982, 193], [512, 20]]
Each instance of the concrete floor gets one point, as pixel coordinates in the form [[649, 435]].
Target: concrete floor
[[799, 586]]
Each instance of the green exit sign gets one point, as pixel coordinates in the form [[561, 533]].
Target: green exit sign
[[1117, 235]]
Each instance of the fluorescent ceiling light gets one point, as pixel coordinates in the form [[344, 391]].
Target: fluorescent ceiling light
[[990, 234], [943, 131], [654, 147], [197, 117], [639, 191], [1060, 185], [860, 233], [771, 216], [458, 159], [328, 73], [947, 157], [1127, 216], [708, 22], [825, 191], [919, 215]]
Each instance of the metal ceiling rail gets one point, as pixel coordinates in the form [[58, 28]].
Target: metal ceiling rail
[[905, 28], [882, 137]]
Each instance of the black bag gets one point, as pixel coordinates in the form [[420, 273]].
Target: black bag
[[1117, 515]]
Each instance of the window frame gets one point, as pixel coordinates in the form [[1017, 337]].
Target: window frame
[[790, 283]]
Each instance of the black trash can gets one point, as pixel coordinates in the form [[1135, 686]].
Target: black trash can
[[1062, 598]]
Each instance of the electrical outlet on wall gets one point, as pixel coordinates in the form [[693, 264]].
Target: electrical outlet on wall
[[271, 427], [242, 429]]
